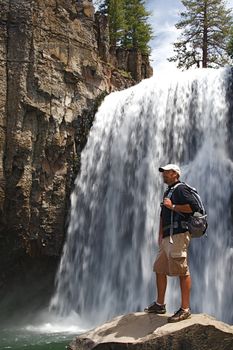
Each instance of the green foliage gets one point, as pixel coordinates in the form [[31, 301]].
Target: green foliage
[[117, 22], [125, 74], [204, 40], [139, 31], [230, 45], [128, 23]]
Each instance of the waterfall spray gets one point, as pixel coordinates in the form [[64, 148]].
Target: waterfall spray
[[106, 266]]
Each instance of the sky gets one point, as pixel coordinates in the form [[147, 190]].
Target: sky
[[165, 14]]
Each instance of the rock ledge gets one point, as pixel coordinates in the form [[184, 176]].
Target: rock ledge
[[151, 331]]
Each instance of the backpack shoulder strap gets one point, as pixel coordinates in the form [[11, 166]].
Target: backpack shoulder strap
[[190, 187], [172, 189], [169, 195]]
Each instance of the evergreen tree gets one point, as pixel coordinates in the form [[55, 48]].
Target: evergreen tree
[[206, 26], [139, 31], [115, 11], [117, 23], [128, 23]]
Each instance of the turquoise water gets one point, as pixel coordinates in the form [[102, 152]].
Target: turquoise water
[[21, 339], [40, 330]]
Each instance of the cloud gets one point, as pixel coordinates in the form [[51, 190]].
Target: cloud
[[163, 20], [163, 49], [165, 14]]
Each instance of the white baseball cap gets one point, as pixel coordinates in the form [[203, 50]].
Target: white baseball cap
[[171, 167]]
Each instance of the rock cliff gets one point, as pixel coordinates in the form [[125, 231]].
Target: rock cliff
[[151, 331], [55, 67]]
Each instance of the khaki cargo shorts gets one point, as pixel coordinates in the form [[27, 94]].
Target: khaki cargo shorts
[[172, 258]]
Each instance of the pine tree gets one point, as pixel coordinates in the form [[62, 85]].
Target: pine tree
[[128, 23], [115, 11], [206, 26], [139, 31], [117, 22]]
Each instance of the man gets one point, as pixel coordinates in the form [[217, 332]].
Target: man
[[178, 203]]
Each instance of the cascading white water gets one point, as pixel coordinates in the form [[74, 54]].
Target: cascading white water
[[106, 267]]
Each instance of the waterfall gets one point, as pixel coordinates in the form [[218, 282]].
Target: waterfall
[[106, 266]]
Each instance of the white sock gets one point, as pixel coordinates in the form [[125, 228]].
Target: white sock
[[159, 304], [186, 310]]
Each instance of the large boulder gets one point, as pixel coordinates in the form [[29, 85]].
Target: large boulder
[[151, 331]]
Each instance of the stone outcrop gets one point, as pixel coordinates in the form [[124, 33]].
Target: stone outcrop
[[151, 331], [55, 67]]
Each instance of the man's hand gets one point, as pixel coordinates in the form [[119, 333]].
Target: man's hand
[[167, 203]]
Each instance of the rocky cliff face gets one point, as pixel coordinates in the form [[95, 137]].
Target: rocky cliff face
[[55, 67]]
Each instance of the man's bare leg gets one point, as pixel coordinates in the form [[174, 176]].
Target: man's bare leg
[[185, 286], [161, 283], [184, 312]]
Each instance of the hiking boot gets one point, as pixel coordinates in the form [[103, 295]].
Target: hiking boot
[[179, 315], [157, 309]]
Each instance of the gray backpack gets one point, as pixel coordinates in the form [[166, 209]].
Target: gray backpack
[[197, 223]]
